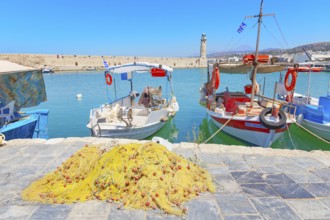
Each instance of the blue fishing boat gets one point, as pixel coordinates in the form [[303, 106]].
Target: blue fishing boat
[[22, 87], [313, 114]]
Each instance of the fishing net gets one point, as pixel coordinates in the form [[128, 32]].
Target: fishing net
[[141, 176]]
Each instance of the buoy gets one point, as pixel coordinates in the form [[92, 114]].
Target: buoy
[[79, 96], [163, 142], [2, 138]]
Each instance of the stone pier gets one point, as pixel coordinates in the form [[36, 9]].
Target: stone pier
[[252, 182]]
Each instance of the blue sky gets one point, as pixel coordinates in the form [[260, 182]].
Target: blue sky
[[170, 28]]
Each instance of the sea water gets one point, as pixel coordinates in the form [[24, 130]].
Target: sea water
[[69, 115]]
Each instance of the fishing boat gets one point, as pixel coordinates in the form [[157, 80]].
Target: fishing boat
[[47, 70], [22, 87], [135, 116], [312, 113], [257, 121], [316, 118], [308, 68]]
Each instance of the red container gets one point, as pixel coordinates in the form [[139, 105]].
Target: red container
[[155, 72], [248, 89]]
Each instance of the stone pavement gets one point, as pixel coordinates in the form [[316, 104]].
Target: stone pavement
[[252, 182]]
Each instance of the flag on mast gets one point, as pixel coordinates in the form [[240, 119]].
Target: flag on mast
[[106, 66], [241, 27]]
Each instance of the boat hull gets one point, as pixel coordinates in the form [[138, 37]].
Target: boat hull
[[137, 133], [321, 130], [23, 128], [248, 129], [32, 124]]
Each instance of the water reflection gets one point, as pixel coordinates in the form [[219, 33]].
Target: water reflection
[[169, 132]]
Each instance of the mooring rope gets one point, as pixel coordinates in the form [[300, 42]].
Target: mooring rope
[[315, 135], [218, 130], [287, 127]]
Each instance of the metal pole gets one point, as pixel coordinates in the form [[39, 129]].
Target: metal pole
[[114, 82], [309, 85], [255, 63], [263, 88]]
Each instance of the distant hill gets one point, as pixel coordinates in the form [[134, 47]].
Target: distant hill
[[322, 46]]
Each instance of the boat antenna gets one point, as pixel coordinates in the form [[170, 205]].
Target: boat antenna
[[255, 62]]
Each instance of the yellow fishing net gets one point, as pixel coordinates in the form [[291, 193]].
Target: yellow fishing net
[[135, 175]]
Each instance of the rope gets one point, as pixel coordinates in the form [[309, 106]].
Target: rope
[[272, 35], [315, 135], [218, 130], [287, 127], [281, 31], [231, 47], [232, 37]]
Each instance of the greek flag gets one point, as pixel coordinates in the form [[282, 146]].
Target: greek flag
[[106, 66], [241, 27]]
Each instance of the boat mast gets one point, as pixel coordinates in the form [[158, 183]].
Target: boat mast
[[255, 63]]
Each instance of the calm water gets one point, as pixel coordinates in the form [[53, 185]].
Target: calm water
[[68, 116]]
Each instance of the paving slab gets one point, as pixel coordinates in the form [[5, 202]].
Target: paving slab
[[234, 204], [310, 209], [318, 189], [274, 208], [291, 191], [247, 177], [258, 190], [252, 183], [277, 178]]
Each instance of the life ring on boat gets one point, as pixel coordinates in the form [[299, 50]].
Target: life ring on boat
[[215, 78], [108, 79], [271, 124], [293, 80]]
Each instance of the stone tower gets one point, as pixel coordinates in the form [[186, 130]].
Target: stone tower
[[203, 46]]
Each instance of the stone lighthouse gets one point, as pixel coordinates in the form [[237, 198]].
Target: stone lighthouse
[[203, 46]]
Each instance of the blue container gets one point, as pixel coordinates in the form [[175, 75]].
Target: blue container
[[314, 113], [324, 101]]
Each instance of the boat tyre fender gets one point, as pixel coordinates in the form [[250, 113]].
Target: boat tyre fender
[[216, 78], [293, 80], [108, 79], [271, 124]]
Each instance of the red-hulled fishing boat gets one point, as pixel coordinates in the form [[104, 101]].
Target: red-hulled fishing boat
[[259, 122]]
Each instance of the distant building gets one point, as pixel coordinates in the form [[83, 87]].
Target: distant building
[[233, 59]]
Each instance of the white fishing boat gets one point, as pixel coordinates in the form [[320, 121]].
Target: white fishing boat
[[128, 118], [47, 70], [257, 121]]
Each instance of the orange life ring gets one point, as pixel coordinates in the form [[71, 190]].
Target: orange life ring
[[108, 79], [216, 78], [293, 80]]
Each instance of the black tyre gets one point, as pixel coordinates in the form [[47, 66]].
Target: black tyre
[[271, 124]]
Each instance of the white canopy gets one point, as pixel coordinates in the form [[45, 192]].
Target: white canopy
[[9, 67], [138, 66]]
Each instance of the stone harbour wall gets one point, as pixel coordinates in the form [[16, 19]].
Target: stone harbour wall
[[85, 62]]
